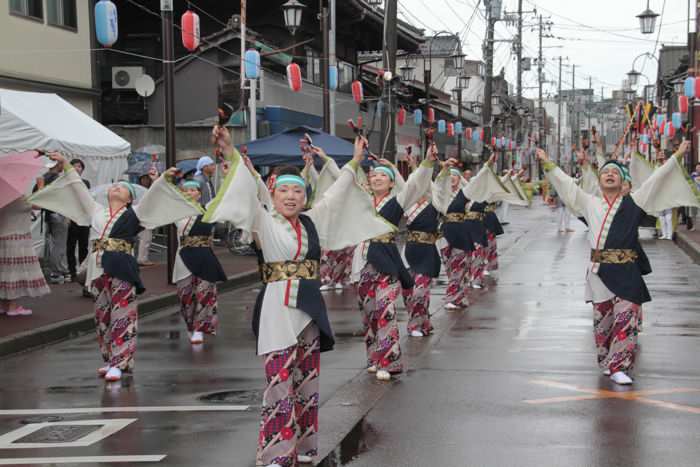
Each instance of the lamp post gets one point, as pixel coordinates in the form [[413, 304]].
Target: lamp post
[[647, 20], [462, 84], [293, 11]]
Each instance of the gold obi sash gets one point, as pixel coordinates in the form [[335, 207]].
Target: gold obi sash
[[196, 241], [473, 216], [613, 256], [415, 236], [112, 244], [454, 217], [386, 238], [490, 208], [290, 270]]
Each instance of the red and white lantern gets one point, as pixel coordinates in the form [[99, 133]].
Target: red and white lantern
[[450, 129], [683, 104], [468, 133], [401, 116], [431, 115], [357, 93], [189, 24], [294, 77]]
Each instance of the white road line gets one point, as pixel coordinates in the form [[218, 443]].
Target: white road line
[[80, 460], [105, 429], [97, 410]]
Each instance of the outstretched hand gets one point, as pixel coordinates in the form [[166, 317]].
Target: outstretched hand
[[359, 150], [221, 137], [432, 152]]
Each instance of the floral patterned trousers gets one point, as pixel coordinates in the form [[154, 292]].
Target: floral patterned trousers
[[289, 422], [336, 266], [616, 326], [492, 253], [378, 293], [198, 304], [458, 266], [417, 300], [116, 320], [477, 266]]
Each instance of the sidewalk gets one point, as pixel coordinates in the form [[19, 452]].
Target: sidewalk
[[65, 312], [689, 242]]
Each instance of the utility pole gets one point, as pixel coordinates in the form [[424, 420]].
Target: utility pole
[[323, 9], [243, 44], [601, 131], [333, 62], [574, 120], [388, 142], [488, 80], [166, 13], [520, 54], [540, 108], [559, 114], [590, 100]]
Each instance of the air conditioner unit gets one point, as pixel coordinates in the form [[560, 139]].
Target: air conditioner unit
[[125, 77]]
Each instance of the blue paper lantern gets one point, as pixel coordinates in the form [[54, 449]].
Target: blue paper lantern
[[442, 126], [252, 64], [676, 120], [106, 23], [332, 77], [475, 135], [458, 128], [418, 117], [659, 119], [644, 138], [689, 87]]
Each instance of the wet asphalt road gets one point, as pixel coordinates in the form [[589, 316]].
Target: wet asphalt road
[[472, 394]]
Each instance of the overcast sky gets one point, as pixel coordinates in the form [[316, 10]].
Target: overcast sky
[[601, 37]]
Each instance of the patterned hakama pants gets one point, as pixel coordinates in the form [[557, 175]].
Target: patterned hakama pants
[[479, 259], [116, 319], [336, 266], [198, 304], [616, 326], [492, 253], [289, 423], [378, 293], [417, 300], [458, 266]]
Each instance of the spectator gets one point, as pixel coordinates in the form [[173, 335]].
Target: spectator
[[146, 235], [56, 232], [77, 235], [206, 168]]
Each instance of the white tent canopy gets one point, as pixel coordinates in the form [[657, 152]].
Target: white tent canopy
[[32, 120]]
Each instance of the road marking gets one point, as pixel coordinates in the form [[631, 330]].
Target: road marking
[[106, 428], [599, 394], [97, 410], [80, 460]]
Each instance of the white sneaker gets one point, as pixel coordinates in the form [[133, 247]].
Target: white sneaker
[[476, 285], [274, 465], [304, 459], [372, 369], [114, 374], [619, 377], [452, 306], [606, 372], [326, 287], [415, 333], [103, 370], [197, 338], [487, 273], [339, 286], [383, 375]]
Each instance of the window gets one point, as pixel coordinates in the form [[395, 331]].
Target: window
[[29, 8], [62, 13]]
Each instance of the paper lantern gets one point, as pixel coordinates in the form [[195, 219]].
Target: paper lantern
[[493, 141], [294, 77], [644, 138], [458, 127], [481, 134], [676, 120], [689, 87], [662, 127], [189, 24], [671, 131], [252, 64], [332, 77], [683, 104], [357, 94], [469, 133], [697, 87], [476, 135], [442, 126], [106, 23], [450, 129], [401, 116], [431, 115], [418, 117]]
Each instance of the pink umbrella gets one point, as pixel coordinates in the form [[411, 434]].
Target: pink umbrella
[[17, 171]]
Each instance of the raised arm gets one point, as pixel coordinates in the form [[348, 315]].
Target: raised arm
[[486, 186], [640, 170], [418, 182], [668, 187], [327, 177], [67, 195], [441, 188], [571, 194], [164, 203]]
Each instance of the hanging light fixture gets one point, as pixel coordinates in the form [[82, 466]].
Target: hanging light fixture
[[375, 2], [458, 61], [293, 11], [456, 93], [408, 72], [476, 107], [463, 81], [647, 20], [633, 77]]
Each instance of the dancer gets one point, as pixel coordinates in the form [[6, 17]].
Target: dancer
[[196, 271], [335, 265], [384, 274], [112, 271], [614, 280], [289, 318]]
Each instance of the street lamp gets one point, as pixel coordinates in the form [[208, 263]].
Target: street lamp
[[463, 81], [375, 2], [408, 72], [647, 20], [476, 107], [630, 95], [293, 11], [458, 61], [633, 77]]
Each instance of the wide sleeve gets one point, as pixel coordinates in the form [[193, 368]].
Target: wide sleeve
[[668, 187], [310, 176], [238, 200], [589, 179], [68, 196], [640, 170], [345, 215], [570, 193], [416, 186], [519, 188], [486, 186], [600, 157], [441, 191], [164, 204], [326, 178]]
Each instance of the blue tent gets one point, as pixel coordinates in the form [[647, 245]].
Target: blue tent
[[283, 148]]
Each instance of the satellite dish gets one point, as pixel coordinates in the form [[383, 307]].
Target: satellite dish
[[145, 85]]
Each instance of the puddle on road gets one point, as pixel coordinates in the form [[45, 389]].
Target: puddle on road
[[169, 335], [241, 397], [355, 443]]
